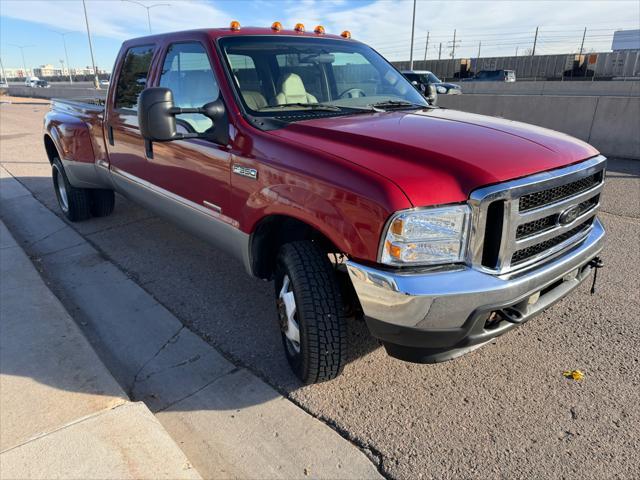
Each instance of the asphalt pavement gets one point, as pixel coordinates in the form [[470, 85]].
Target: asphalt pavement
[[504, 410]]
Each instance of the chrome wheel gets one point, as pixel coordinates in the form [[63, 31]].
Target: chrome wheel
[[63, 198], [287, 310]]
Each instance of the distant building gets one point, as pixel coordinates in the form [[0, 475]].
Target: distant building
[[46, 71], [16, 73], [626, 40]]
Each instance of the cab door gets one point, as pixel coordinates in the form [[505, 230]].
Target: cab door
[[193, 170]]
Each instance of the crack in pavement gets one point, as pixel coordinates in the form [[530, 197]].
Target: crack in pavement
[[230, 372], [189, 360], [172, 339]]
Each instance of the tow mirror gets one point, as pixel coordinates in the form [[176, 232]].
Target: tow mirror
[[157, 122], [156, 117]]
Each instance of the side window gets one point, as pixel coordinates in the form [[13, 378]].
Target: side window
[[133, 76], [187, 72]]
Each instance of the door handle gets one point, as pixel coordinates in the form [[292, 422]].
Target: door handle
[[110, 135]]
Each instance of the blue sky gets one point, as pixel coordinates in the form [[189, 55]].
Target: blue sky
[[502, 26]]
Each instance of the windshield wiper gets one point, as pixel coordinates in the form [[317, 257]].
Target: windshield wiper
[[387, 104], [308, 106]]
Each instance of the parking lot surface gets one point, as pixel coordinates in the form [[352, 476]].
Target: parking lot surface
[[503, 410]]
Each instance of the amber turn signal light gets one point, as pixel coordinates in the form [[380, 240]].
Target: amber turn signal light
[[235, 25], [346, 34], [319, 30], [277, 26], [299, 27]]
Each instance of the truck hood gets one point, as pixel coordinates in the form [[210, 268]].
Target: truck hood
[[439, 156]]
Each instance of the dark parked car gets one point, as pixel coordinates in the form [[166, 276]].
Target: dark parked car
[[425, 77]]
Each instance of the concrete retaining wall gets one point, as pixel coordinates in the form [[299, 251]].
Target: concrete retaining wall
[[629, 88], [611, 124], [56, 92]]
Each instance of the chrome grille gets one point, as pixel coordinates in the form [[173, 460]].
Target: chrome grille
[[520, 256], [520, 223], [545, 197]]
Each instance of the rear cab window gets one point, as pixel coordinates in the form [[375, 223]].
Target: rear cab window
[[133, 77]]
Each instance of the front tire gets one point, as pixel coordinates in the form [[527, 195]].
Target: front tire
[[74, 202], [314, 332]]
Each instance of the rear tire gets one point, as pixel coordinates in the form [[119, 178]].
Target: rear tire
[[308, 299], [102, 202], [74, 202]]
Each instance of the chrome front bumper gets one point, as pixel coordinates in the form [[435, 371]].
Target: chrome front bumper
[[448, 309]]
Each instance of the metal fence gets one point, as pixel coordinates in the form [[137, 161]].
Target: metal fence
[[593, 66]]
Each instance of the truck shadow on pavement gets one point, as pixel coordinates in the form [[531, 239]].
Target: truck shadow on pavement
[[128, 286]]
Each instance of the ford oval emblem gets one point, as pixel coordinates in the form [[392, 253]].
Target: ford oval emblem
[[569, 215]]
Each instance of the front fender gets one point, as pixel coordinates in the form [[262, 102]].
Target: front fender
[[351, 223]]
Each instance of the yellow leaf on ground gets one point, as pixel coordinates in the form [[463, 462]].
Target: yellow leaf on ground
[[573, 374]]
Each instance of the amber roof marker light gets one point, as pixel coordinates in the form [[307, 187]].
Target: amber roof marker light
[[234, 26], [346, 34], [299, 27], [319, 30], [276, 26]]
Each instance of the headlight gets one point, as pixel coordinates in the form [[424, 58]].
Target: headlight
[[441, 89], [426, 237]]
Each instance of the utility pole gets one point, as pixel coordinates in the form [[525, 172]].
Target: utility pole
[[96, 82], [426, 48], [478, 58], [413, 27], [66, 55], [535, 41], [440, 51], [24, 64], [149, 7], [516, 50], [584, 34], [453, 49]]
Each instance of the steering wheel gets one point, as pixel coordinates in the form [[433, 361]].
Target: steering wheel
[[353, 93]]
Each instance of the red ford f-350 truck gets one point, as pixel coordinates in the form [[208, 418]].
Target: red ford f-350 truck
[[312, 160]]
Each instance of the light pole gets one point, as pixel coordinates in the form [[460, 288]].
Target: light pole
[[96, 83], [413, 27], [4, 75], [66, 55], [24, 64], [148, 7]]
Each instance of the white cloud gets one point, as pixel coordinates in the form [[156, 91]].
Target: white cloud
[[114, 18]]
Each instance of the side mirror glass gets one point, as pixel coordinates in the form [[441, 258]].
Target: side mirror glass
[[156, 115]]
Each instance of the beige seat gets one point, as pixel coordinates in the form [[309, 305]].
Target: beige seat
[[292, 91], [255, 100]]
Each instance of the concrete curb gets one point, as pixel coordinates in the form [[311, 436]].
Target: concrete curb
[[62, 413], [228, 422]]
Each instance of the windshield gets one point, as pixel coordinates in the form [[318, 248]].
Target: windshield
[[432, 78], [276, 74]]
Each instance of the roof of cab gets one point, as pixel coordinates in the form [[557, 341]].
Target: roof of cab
[[215, 33]]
